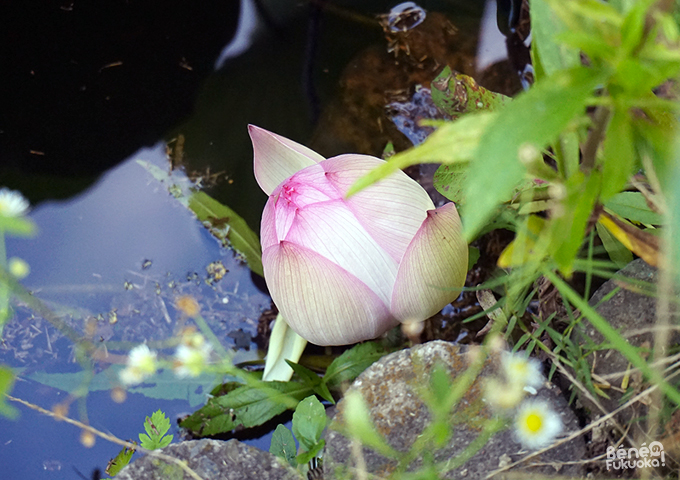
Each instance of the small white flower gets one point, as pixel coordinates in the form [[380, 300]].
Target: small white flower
[[502, 396], [521, 370], [536, 424], [12, 203], [141, 364], [191, 361]]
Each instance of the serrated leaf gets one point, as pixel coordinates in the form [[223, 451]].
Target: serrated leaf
[[308, 377], [229, 227], [165, 441], [309, 422], [147, 442], [160, 422], [245, 406], [633, 206], [117, 463], [283, 445], [533, 119], [351, 363]]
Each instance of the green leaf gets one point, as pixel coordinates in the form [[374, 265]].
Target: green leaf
[[633, 206], [456, 94], [450, 181], [312, 380], [533, 120], [544, 26], [230, 228], [308, 377], [473, 256], [351, 363], [119, 461], [568, 229], [618, 253], [283, 445], [6, 383], [309, 422], [246, 406], [452, 142], [156, 427], [618, 154], [307, 457]]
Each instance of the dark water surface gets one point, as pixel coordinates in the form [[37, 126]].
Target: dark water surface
[[96, 88]]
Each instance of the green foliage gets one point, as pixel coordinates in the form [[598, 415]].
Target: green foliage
[[156, 427], [6, 383], [257, 402], [283, 445], [309, 422], [456, 94], [121, 460], [228, 227]]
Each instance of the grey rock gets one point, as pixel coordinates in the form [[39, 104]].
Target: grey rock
[[211, 460], [632, 313], [391, 389]]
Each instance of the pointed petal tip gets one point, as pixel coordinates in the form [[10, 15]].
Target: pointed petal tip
[[276, 158]]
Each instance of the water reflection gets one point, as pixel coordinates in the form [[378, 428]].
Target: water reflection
[[125, 230]]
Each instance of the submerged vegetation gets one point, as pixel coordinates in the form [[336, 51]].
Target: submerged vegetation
[[583, 168]]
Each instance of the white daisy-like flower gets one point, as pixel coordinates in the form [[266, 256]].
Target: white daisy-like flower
[[141, 364], [521, 370], [536, 424], [12, 203], [502, 396], [190, 361]]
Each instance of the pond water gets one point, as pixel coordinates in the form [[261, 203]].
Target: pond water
[[109, 260]]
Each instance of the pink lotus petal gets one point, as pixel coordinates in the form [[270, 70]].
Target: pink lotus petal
[[277, 158], [391, 210], [434, 267], [321, 301], [331, 230]]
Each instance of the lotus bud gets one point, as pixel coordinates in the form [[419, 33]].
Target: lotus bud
[[343, 270]]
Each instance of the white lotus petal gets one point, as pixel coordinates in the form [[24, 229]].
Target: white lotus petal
[[277, 158], [434, 267], [391, 210], [331, 230], [322, 302], [268, 236]]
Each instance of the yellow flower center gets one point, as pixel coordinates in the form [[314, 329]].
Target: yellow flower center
[[534, 422]]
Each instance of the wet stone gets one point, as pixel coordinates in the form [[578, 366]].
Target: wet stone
[[391, 387], [211, 459]]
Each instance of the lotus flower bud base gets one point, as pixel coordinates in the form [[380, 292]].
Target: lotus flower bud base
[[343, 270]]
